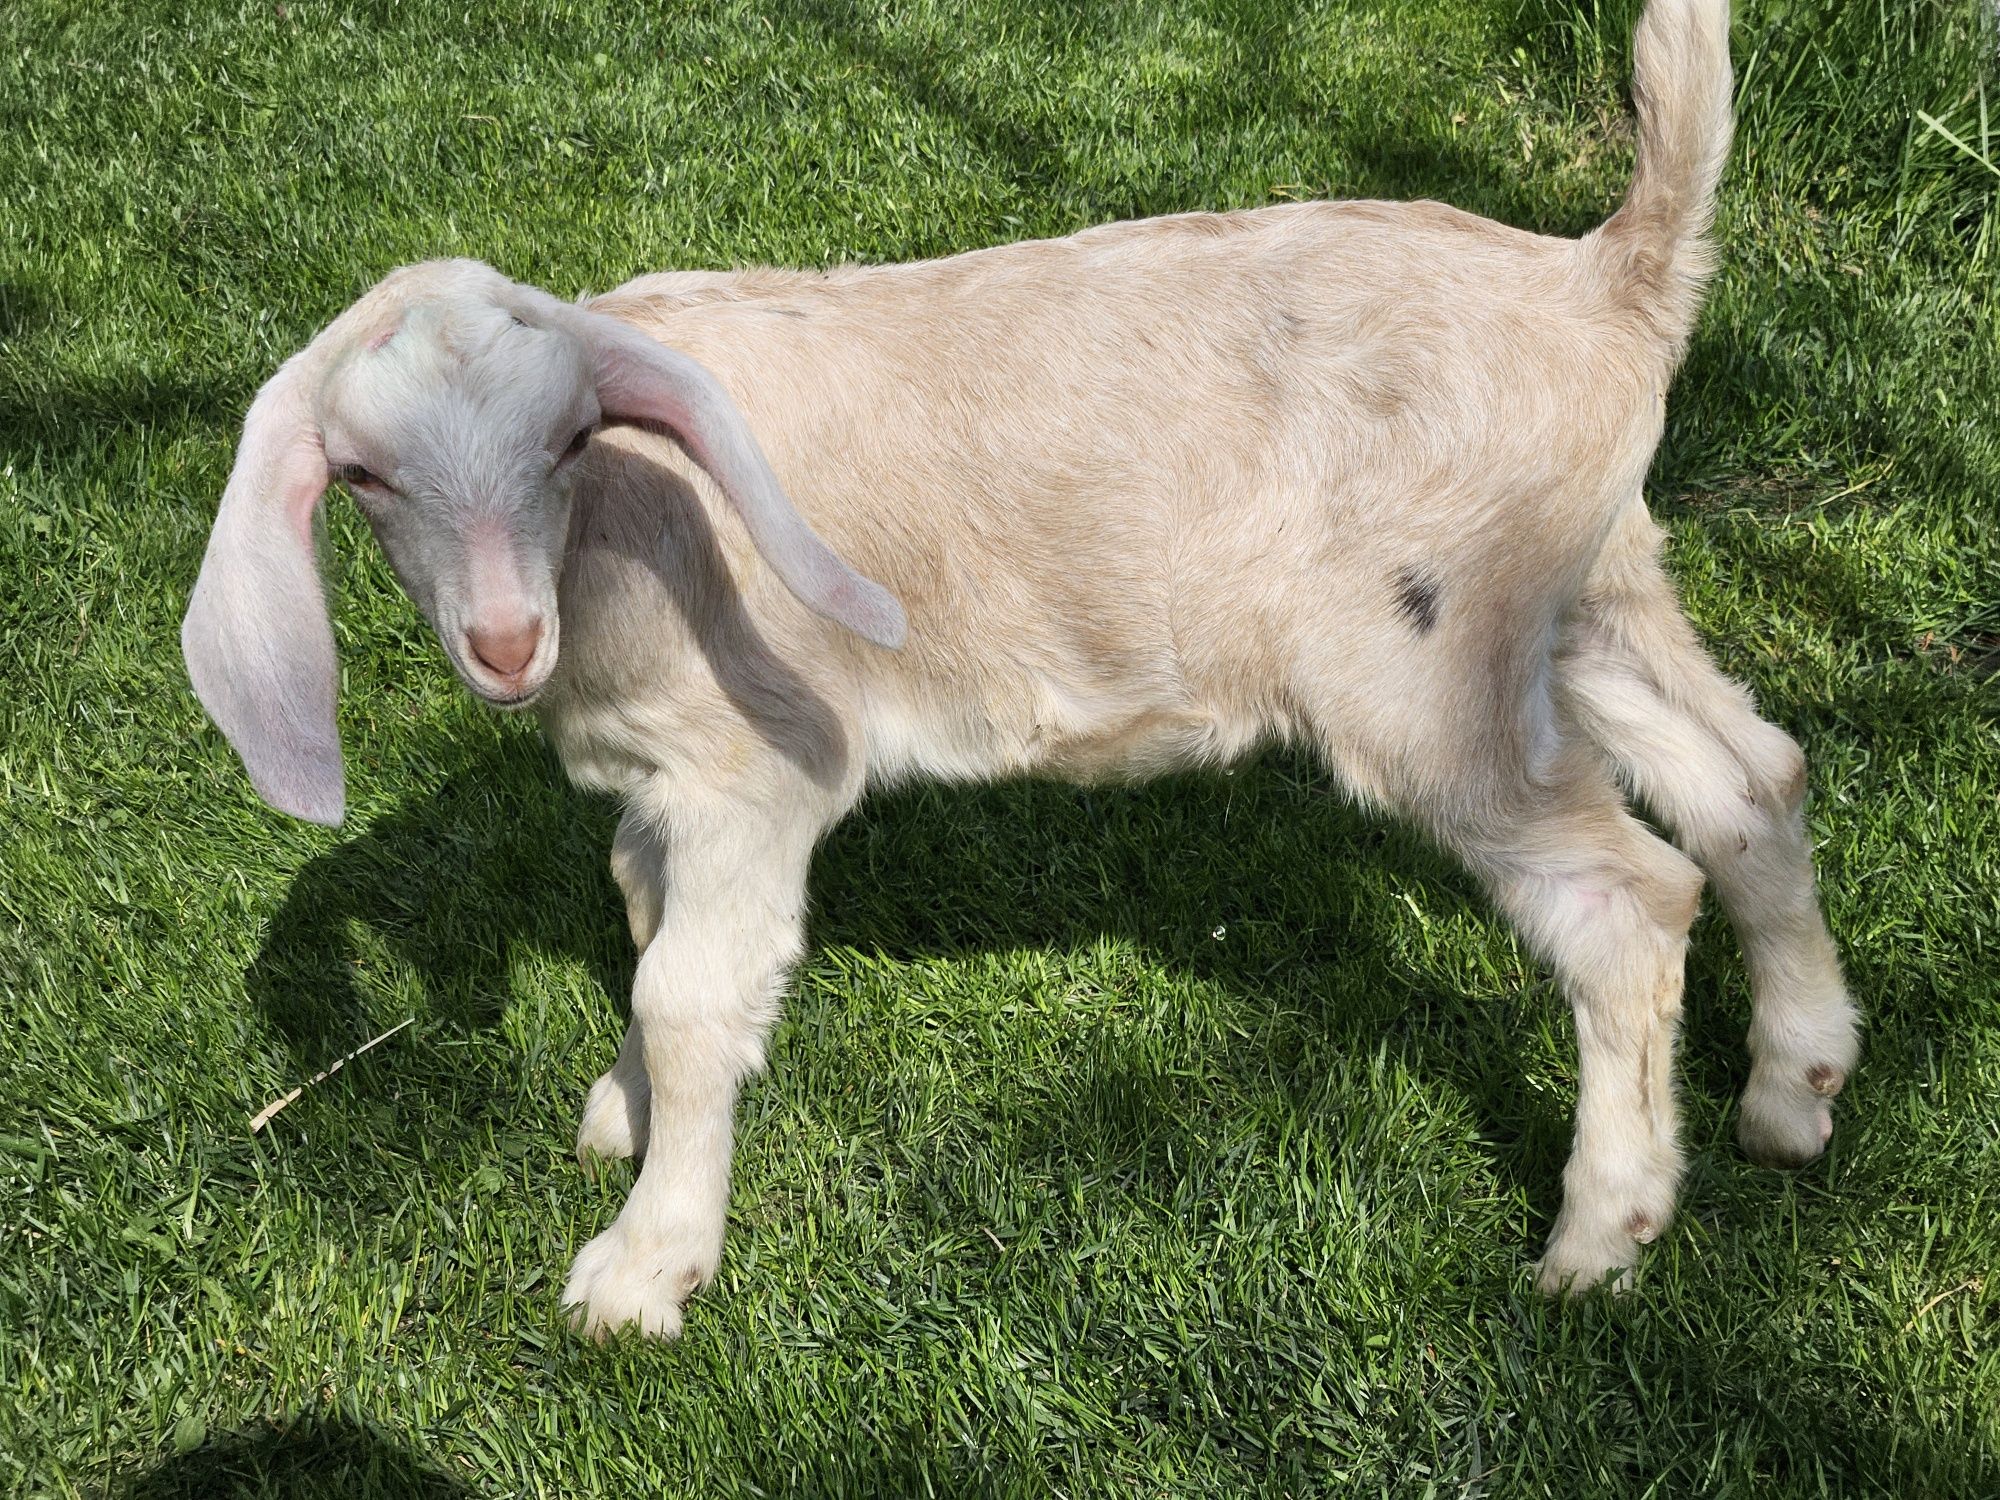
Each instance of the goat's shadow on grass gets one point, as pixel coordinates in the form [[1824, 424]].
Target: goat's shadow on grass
[[300, 1460], [1261, 884], [454, 887]]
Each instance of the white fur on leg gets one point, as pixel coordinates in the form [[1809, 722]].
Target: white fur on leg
[[1613, 919], [617, 1110], [1604, 1222], [1781, 1125], [1583, 1260], [1732, 787], [1619, 1186], [703, 1000], [1802, 1054], [640, 1277], [667, 1243]]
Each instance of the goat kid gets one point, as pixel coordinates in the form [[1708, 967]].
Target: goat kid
[[1362, 476]]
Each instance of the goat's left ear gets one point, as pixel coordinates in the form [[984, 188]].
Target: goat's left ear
[[642, 380], [257, 639]]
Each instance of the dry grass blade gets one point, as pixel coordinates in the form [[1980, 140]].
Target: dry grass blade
[[265, 1115], [1974, 1285]]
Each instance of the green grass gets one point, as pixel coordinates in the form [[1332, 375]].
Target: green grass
[[1190, 1139]]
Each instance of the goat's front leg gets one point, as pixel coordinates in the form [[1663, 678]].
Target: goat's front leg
[[704, 997], [616, 1110]]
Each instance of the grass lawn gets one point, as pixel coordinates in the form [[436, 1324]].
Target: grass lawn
[[1186, 1139]]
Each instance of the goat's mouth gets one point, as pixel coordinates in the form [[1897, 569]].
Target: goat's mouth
[[508, 695], [510, 700]]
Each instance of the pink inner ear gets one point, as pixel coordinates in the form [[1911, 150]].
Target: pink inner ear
[[627, 395], [284, 443], [304, 482]]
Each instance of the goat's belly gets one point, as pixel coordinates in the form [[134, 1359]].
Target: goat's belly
[[1065, 734], [1149, 745]]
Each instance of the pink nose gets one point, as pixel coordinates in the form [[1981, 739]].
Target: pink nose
[[507, 651]]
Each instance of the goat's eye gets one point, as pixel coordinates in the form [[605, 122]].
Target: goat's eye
[[355, 474], [576, 443]]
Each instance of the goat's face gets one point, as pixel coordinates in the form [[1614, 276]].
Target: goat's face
[[457, 432], [453, 403]]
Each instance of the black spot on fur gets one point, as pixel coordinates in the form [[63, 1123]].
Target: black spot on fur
[[1417, 596]]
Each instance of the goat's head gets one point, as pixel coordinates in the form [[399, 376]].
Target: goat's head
[[452, 403]]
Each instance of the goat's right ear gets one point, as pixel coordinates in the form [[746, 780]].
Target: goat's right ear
[[257, 639], [642, 380]]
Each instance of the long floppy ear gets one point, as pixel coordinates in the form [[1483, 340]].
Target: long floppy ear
[[641, 380], [258, 643]]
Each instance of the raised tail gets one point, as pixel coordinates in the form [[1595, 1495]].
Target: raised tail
[[1655, 248]]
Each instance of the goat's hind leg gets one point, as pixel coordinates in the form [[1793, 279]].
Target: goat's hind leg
[[1608, 906], [616, 1111], [1731, 787]]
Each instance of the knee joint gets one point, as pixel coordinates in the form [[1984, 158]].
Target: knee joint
[[1671, 890], [1778, 779]]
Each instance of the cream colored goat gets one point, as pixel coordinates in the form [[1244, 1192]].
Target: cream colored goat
[[1361, 476]]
